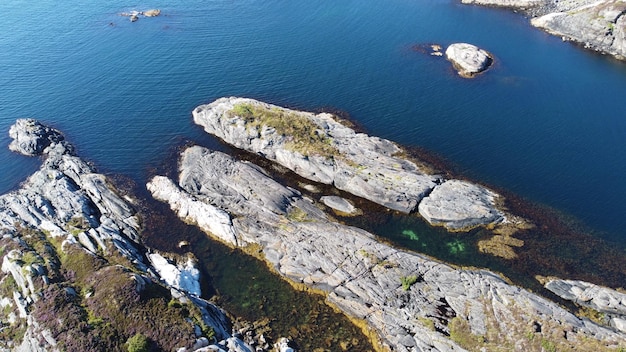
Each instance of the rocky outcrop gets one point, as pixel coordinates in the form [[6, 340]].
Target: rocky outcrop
[[70, 248], [507, 3], [134, 15], [598, 25], [341, 205], [460, 205], [468, 59], [610, 303], [409, 301], [319, 148]]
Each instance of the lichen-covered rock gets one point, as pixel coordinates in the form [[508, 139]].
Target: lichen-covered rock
[[469, 60], [30, 137], [319, 148], [410, 301]]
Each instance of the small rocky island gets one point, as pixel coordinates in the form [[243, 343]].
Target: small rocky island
[[468, 59], [596, 25], [75, 275], [404, 300]]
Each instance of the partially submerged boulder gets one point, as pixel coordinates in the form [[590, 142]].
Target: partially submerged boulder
[[469, 60], [460, 205]]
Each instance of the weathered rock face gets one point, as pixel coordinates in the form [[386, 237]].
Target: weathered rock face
[[609, 302], [326, 152], [411, 302], [70, 249], [597, 25], [321, 149], [468, 59], [460, 205], [600, 26]]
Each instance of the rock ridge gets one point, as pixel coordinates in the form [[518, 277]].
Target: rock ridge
[[317, 147], [411, 302]]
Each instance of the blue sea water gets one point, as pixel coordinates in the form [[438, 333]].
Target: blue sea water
[[547, 122]]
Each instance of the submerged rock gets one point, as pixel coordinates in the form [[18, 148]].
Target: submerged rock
[[468, 59], [411, 302], [319, 148]]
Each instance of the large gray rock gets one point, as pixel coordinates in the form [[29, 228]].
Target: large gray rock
[[411, 302], [365, 166], [459, 205], [469, 60]]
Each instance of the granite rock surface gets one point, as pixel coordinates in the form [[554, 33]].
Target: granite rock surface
[[409, 302], [323, 150]]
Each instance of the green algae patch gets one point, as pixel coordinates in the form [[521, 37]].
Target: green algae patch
[[411, 235], [303, 135], [456, 247]]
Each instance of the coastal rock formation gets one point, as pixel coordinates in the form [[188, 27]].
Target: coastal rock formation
[[342, 205], [597, 25], [460, 205], [507, 3], [319, 148], [468, 59], [609, 302], [600, 26], [409, 301], [73, 271]]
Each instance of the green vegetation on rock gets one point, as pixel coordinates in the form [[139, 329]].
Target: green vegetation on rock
[[304, 136], [408, 281], [138, 343]]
